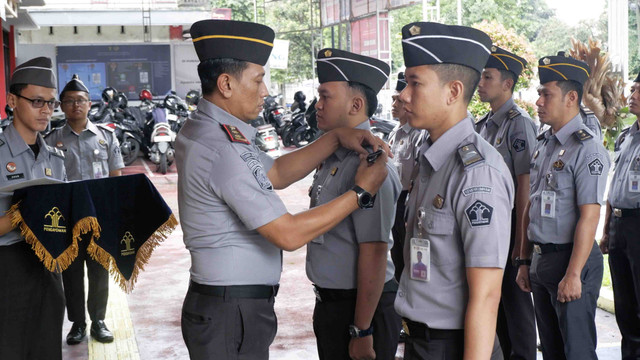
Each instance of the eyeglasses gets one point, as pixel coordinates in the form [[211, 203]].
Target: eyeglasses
[[74, 102], [39, 103]]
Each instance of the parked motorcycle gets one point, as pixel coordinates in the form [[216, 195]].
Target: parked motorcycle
[[303, 128], [274, 113]]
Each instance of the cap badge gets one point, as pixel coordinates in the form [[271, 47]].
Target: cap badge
[[546, 61], [566, 55], [414, 30], [327, 53], [494, 49]]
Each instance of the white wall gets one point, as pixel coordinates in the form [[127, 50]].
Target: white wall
[[63, 35]]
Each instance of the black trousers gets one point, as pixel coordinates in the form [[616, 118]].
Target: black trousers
[[219, 328], [398, 232], [331, 320], [31, 306], [567, 330], [624, 262], [73, 280], [516, 326], [437, 347]]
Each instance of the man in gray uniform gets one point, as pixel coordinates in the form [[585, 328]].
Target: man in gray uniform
[[91, 152], [350, 266], [234, 223], [403, 140], [621, 231], [31, 304], [512, 132], [459, 207], [569, 171]]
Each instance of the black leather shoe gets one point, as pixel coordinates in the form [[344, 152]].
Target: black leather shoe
[[100, 332], [77, 333]]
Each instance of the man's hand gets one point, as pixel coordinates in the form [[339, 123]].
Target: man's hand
[[516, 251], [371, 177], [362, 348], [604, 244], [354, 139], [522, 279], [569, 288]]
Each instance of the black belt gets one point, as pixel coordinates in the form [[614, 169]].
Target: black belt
[[236, 291], [422, 331], [328, 295], [550, 248], [625, 212]]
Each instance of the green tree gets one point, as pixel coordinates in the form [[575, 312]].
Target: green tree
[[400, 18], [556, 35]]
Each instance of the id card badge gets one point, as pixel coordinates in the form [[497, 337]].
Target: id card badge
[[420, 259], [634, 181], [97, 170], [548, 204]]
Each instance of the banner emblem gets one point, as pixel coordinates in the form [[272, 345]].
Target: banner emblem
[[55, 226]]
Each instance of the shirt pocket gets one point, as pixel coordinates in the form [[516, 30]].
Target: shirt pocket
[[439, 228]]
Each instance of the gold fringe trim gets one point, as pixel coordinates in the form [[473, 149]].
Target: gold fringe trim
[[67, 257], [142, 256]]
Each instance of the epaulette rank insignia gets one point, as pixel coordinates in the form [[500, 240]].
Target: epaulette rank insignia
[[106, 127], [540, 137], [55, 151], [588, 111], [469, 155], [512, 114], [234, 134], [582, 135]]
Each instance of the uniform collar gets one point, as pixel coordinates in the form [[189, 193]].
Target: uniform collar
[[406, 128], [440, 151], [341, 153], [567, 130], [634, 128], [222, 117], [90, 126], [17, 145], [501, 115]]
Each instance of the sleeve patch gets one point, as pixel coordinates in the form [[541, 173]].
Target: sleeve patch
[[595, 167], [477, 189], [519, 145], [479, 214], [254, 164]]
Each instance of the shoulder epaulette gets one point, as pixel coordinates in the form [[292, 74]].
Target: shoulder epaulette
[[587, 111], [541, 136], [582, 135], [106, 127], [623, 135], [234, 134], [481, 119], [513, 113], [469, 155], [51, 132], [55, 151]]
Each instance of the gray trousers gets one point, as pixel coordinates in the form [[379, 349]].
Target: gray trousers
[[227, 328], [567, 330]]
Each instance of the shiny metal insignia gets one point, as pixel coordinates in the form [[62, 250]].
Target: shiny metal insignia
[[498, 141], [438, 202], [11, 167], [327, 53], [546, 61], [48, 172], [414, 30], [535, 155], [561, 152], [494, 49]]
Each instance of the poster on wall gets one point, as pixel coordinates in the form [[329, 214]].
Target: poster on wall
[[185, 63], [127, 68], [364, 37]]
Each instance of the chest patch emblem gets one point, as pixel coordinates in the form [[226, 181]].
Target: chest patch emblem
[[479, 214]]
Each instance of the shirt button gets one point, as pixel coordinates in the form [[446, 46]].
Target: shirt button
[[430, 224], [401, 293]]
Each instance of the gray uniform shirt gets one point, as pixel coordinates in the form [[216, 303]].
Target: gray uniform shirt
[[91, 154], [568, 169], [591, 121], [461, 202], [332, 258], [224, 194], [624, 191], [21, 165], [403, 141], [512, 132]]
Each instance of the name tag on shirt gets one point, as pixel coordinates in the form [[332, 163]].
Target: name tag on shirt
[[420, 259], [548, 204], [634, 181]]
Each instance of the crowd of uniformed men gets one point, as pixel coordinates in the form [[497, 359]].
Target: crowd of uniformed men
[[443, 237]]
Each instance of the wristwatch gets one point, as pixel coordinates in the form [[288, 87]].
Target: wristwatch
[[354, 332], [517, 262], [365, 199]]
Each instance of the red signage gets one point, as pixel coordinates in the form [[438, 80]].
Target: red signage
[[365, 37]]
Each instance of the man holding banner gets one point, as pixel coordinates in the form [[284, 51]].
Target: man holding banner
[[32, 303]]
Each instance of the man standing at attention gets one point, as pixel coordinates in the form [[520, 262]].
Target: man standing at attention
[[512, 132], [229, 211], [459, 207], [91, 152]]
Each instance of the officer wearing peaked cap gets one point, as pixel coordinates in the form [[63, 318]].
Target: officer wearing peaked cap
[[569, 170], [562, 68], [350, 266], [512, 132], [234, 223], [621, 232], [403, 140], [459, 207], [91, 152], [32, 303]]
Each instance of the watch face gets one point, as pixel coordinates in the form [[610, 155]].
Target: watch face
[[366, 199], [353, 332]]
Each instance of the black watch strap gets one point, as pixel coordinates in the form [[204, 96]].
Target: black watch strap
[[519, 262]]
